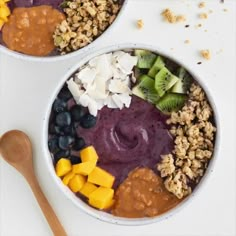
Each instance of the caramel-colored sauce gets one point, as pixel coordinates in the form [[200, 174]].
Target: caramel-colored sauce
[[143, 194], [30, 30]]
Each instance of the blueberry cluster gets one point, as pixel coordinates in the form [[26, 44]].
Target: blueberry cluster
[[63, 138]]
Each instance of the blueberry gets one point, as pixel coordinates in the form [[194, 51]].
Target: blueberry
[[53, 129], [53, 144], [78, 144], [65, 94], [75, 160], [63, 119], [61, 154], [88, 121], [59, 105], [69, 130], [65, 142], [77, 112]]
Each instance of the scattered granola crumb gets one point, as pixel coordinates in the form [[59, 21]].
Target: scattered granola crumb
[[187, 41], [170, 17], [205, 30], [225, 10], [201, 4], [206, 54], [198, 26], [186, 26], [193, 133], [203, 15], [140, 24], [210, 11], [180, 18], [199, 63]]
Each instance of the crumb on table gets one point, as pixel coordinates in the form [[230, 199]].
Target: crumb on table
[[140, 24], [201, 4], [203, 15], [170, 16], [206, 54]]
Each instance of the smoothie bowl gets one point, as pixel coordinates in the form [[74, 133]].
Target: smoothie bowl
[[47, 28], [130, 135]]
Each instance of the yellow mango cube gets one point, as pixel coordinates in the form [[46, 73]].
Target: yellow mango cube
[[101, 197], [87, 189], [63, 167], [1, 23], [101, 177], [67, 178], [4, 12], [76, 183], [84, 168], [109, 204], [88, 154]]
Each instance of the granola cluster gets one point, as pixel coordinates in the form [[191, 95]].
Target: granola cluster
[[170, 16], [194, 134], [85, 21]]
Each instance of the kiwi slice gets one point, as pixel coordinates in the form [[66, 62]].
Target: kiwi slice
[[145, 58], [184, 83], [145, 89], [171, 102], [157, 66], [164, 80]]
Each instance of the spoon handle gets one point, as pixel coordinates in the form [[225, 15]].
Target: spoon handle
[[50, 215]]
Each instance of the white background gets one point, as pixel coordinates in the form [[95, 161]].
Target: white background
[[25, 90]]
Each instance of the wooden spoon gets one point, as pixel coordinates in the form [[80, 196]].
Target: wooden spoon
[[16, 149]]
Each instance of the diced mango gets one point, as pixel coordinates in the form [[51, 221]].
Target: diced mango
[[109, 204], [88, 154], [101, 177], [63, 167], [101, 197], [1, 23], [67, 178], [84, 168], [76, 183], [87, 189]]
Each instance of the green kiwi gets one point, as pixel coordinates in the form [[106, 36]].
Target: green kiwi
[[145, 89], [171, 102], [164, 80], [157, 66], [145, 58], [184, 83]]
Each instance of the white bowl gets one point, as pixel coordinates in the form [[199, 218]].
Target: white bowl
[[103, 215], [108, 31]]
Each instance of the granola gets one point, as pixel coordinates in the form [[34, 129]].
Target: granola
[[194, 135], [85, 21], [170, 17]]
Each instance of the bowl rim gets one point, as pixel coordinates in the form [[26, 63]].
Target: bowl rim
[[73, 54], [103, 215]]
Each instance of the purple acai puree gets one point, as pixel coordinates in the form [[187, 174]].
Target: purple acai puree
[[32, 3], [129, 138]]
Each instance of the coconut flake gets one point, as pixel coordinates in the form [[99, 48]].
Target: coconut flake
[[125, 98], [86, 76], [126, 62], [117, 101], [103, 67], [118, 86], [104, 81], [75, 89], [92, 107]]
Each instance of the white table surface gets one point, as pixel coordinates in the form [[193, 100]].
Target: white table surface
[[25, 89]]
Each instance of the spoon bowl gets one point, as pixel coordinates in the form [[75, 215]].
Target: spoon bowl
[[16, 149]]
